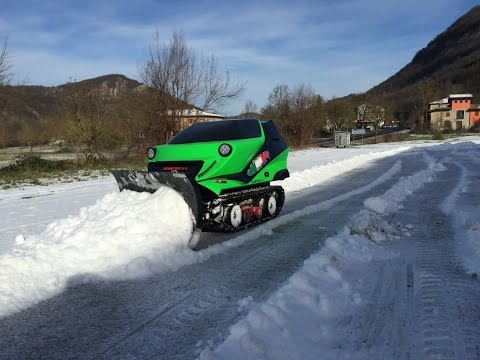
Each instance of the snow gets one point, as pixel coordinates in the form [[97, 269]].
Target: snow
[[295, 322], [124, 235], [130, 235], [454, 96], [392, 199], [302, 179], [120, 236]]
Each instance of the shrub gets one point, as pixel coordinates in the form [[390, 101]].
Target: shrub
[[33, 164], [31, 167], [438, 135]]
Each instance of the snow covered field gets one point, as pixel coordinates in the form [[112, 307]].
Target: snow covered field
[[59, 237]]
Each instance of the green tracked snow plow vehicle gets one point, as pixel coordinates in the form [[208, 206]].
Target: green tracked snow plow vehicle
[[223, 170]]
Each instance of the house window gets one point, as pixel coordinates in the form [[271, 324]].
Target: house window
[[460, 114]]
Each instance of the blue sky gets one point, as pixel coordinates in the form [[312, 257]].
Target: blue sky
[[338, 47]]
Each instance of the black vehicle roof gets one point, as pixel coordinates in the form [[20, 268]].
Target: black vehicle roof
[[223, 130]]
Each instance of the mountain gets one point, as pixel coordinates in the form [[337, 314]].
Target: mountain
[[26, 103], [109, 85], [451, 60], [20, 105]]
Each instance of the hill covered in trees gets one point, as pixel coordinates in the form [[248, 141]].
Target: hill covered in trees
[[35, 111], [449, 64], [451, 59]]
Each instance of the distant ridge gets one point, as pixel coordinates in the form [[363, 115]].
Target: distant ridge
[[31, 104], [451, 59]]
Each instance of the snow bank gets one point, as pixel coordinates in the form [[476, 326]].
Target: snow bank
[[372, 227], [296, 322], [124, 235], [269, 227], [299, 321], [392, 199], [318, 174]]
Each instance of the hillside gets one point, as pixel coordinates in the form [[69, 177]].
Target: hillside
[[32, 102], [26, 103], [452, 59], [36, 105]]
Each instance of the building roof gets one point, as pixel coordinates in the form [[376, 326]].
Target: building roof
[[451, 96], [460, 96], [194, 112], [441, 101]]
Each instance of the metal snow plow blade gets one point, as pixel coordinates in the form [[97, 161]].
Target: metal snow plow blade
[[144, 181]]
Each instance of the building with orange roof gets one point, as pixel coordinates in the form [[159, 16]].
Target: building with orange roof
[[456, 112]]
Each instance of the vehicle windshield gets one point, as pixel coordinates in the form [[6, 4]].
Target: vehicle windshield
[[218, 131]]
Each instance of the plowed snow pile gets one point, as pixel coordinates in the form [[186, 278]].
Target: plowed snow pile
[[123, 236]]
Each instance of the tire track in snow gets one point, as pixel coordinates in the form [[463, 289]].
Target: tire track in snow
[[381, 330], [435, 320], [447, 297]]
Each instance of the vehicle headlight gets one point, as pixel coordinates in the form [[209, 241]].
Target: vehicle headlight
[[225, 149], [151, 153]]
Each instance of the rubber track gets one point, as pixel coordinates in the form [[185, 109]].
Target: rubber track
[[237, 198]]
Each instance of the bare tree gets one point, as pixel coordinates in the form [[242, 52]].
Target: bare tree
[[307, 109], [217, 86], [425, 92], [279, 109], [298, 112], [371, 114], [4, 136], [250, 108], [84, 116], [141, 121], [27, 135], [5, 66], [340, 114], [4, 133], [5, 78], [183, 79]]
